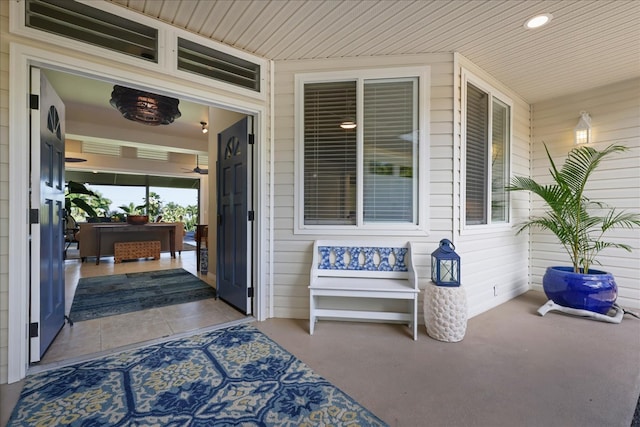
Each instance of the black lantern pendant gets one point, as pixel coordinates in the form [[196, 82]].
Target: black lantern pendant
[[445, 265], [144, 107]]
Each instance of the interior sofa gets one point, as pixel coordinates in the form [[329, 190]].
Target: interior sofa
[[87, 239]]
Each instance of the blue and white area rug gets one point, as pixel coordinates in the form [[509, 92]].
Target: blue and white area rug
[[228, 377]]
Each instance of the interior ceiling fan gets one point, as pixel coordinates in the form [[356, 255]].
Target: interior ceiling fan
[[198, 169]]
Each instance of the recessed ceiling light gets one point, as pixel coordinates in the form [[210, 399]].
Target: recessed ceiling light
[[538, 21]]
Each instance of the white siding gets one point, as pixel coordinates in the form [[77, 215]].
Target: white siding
[[507, 266], [4, 189], [494, 260], [615, 113], [292, 252]]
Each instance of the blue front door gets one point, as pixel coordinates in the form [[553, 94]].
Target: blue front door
[[50, 113], [233, 271]]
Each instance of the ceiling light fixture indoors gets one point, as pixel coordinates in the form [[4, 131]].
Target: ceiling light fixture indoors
[[144, 107], [538, 21], [205, 129], [348, 124]]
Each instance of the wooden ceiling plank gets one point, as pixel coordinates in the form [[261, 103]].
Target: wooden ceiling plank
[[227, 16], [388, 29], [333, 29], [245, 31], [168, 11], [442, 28], [293, 28], [183, 14]]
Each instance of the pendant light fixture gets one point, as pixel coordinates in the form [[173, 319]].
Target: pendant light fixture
[[144, 107]]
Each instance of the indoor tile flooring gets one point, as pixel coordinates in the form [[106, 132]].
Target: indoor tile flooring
[[98, 336]]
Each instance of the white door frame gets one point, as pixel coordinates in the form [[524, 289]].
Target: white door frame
[[21, 58]]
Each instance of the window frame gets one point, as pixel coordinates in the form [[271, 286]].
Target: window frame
[[495, 95], [421, 195], [167, 60]]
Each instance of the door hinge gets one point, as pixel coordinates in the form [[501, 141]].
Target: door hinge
[[252, 139], [252, 215], [250, 292], [34, 216], [34, 102], [33, 330]]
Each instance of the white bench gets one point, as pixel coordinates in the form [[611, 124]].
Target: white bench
[[363, 269]]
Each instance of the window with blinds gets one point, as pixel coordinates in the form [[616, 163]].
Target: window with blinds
[[389, 150], [329, 154], [487, 142], [499, 164], [354, 176], [476, 162]]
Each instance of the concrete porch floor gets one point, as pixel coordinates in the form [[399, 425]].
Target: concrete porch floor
[[513, 368]]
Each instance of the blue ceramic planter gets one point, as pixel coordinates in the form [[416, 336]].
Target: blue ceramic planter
[[596, 291]]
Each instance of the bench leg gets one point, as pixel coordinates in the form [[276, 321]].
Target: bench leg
[[414, 312], [312, 312]]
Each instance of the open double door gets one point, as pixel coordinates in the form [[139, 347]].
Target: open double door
[[234, 273]]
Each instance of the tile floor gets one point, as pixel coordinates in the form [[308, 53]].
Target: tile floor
[[108, 333]]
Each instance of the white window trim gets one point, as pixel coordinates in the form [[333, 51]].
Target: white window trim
[[167, 47], [420, 229], [469, 77]]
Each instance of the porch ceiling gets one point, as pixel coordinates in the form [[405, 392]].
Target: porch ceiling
[[589, 43]]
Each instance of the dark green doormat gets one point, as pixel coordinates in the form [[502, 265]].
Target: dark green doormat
[[104, 296]]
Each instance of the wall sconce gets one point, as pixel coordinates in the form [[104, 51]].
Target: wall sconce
[[582, 130], [205, 129]]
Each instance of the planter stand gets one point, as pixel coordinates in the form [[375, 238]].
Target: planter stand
[[550, 305]]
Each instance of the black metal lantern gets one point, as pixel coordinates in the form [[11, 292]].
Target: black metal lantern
[[445, 265]]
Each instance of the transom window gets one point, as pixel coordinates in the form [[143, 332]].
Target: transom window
[[360, 152], [487, 135]]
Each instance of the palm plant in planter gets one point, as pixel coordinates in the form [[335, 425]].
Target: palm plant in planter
[[579, 223], [135, 214]]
